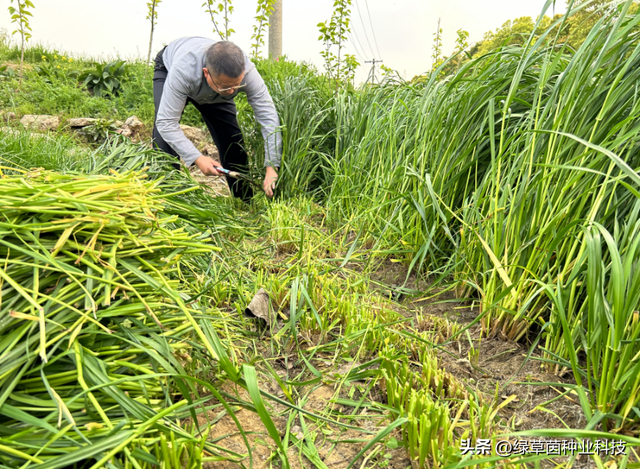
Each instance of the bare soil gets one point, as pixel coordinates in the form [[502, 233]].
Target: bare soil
[[217, 184], [334, 444], [500, 362]]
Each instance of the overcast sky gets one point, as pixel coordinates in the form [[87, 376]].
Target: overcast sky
[[400, 32]]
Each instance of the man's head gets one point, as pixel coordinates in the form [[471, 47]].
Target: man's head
[[224, 67]]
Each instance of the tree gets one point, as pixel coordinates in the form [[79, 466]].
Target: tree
[[586, 13], [514, 32], [222, 8], [152, 15], [263, 12], [20, 16], [334, 35], [436, 56], [461, 44], [582, 21], [453, 66]]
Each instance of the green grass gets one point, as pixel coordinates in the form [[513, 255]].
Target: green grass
[[51, 86], [514, 183], [317, 279], [494, 177], [92, 320], [24, 150]]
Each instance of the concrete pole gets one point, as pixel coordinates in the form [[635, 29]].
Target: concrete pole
[[275, 31]]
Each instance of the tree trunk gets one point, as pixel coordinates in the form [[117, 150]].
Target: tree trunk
[[275, 31], [226, 21], [150, 43], [21, 60], [153, 11]]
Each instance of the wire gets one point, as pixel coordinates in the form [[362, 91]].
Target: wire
[[360, 56], [373, 32], [353, 33], [365, 29]]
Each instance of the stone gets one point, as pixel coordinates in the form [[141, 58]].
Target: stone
[[9, 131], [130, 128], [41, 123], [78, 122], [125, 131], [134, 123], [7, 116]]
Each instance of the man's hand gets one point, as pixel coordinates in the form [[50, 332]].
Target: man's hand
[[208, 166], [270, 179]]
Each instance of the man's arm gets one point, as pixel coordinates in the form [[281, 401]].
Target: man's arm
[[265, 111]]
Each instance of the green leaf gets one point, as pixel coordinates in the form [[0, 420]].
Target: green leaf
[[249, 373], [393, 443], [379, 436], [143, 455]]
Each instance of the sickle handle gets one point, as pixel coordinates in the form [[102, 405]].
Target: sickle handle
[[233, 174]]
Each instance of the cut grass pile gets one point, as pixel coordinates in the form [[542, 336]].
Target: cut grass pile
[[96, 331]]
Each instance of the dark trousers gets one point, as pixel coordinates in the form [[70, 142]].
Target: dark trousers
[[222, 123]]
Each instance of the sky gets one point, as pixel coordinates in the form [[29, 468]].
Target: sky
[[398, 32]]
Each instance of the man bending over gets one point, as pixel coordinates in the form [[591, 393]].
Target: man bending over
[[209, 75]]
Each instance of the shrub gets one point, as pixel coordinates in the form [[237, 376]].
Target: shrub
[[6, 72], [105, 80]]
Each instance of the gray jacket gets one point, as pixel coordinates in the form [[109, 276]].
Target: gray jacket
[[184, 59]]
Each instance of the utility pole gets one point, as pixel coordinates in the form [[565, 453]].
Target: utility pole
[[372, 72], [275, 31]]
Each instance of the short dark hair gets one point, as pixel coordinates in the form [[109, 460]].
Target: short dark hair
[[225, 58]]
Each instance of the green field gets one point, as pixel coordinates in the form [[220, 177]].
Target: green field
[[451, 263]]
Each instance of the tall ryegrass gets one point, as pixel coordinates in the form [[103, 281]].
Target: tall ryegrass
[[498, 176], [516, 178], [304, 101]]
